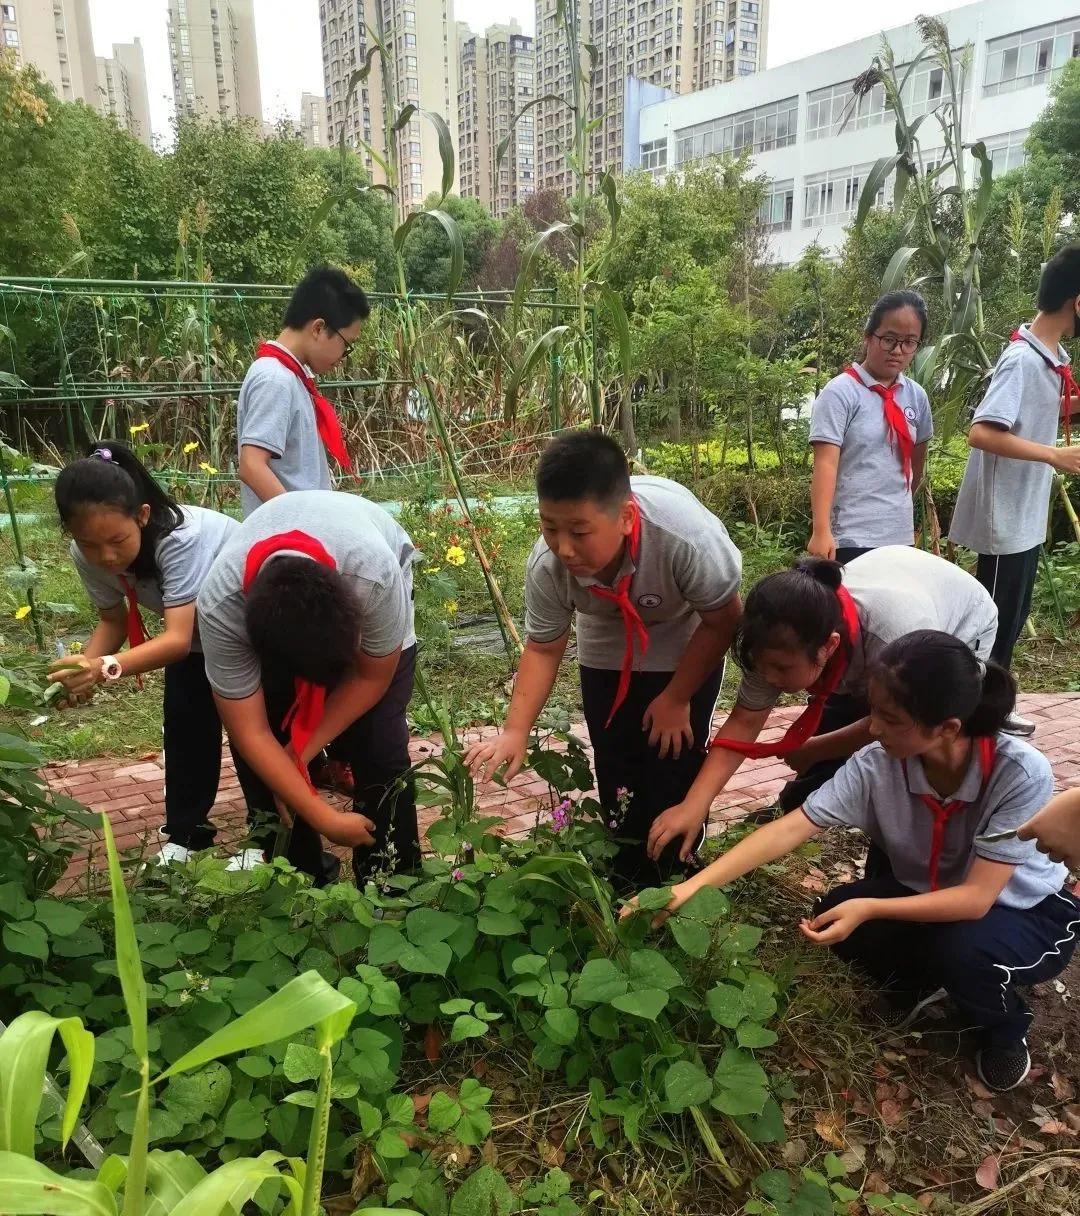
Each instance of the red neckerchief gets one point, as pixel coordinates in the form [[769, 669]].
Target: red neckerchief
[[136, 630], [823, 687], [326, 421], [307, 710], [633, 625], [1063, 371], [942, 811], [895, 421]]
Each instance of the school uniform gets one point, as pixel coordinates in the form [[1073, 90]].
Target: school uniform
[[1001, 509], [277, 411], [875, 429], [192, 728], [680, 562], [375, 556], [1026, 938], [896, 590]]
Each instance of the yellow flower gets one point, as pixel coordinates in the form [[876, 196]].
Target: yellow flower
[[22, 612], [142, 426], [432, 569], [207, 468], [455, 555], [450, 607], [190, 447]]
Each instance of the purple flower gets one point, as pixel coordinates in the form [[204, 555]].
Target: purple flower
[[560, 817], [613, 823], [457, 875], [622, 792]]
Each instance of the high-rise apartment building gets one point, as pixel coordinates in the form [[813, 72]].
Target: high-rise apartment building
[[678, 46], [422, 56], [215, 64], [496, 80], [57, 39], [313, 120], [122, 93]]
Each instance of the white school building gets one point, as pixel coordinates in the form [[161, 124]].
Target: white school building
[[790, 117]]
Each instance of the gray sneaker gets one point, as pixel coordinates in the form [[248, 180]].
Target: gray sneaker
[[1016, 725]]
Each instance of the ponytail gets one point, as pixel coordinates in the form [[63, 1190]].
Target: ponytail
[[113, 477], [933, 676], [794, 609]]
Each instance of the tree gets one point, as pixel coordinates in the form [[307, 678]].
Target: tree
[[427, 248], [1053, 145]]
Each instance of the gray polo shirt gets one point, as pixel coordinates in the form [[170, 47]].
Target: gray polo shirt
[[873, 792], [686, 564], [184, 558], [1002, 503], [274, 411], [872, 505], [372, 551], [896, 591]]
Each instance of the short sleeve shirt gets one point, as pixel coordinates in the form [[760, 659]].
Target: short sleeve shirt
[[686, 564], [183, 557], [274, 411], [897, 590], [1002, 504], [872, 505], [880, 795], [370, 549]]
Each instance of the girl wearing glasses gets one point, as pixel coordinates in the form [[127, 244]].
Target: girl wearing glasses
[[869, 430]]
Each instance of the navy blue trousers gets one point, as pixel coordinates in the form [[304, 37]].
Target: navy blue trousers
[[980, 963]]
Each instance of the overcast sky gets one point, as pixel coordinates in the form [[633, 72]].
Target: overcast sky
[[290, 57]]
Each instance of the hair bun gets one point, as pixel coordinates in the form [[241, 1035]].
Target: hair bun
[[821, 570]]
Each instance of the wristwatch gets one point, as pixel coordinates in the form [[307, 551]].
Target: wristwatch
[[110, 668]]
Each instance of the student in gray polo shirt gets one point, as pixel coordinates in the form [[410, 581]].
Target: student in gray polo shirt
[[1001, 509], [652, 579], [135, 548], [961, 904], [818, 627], [869, 429], [307, 626]]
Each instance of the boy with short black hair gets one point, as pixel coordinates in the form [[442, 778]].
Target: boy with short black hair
[[306, 623], [1002, 505], [284, 425], [653, 579]]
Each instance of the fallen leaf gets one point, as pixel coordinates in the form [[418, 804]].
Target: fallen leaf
[[420, 1103], [1038, 1071], [983, 1109], [891, 1112], [1064, 1089], [1055, 1127], [987, 1173], [552, 1155], [1072, 1117], [925, 1200], [876, 1184], [827, 1126], [796, 1152], [489, 1154], [854, 1159], [978, 1088], [479, 1068], [433, 1042]]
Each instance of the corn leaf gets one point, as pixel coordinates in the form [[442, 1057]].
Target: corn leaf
[[28, 1188]]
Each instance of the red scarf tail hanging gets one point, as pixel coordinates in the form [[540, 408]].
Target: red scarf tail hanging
[[1064, 373], [306, 711], [944, 811], [136, 630], [896, 423], [326, 420]]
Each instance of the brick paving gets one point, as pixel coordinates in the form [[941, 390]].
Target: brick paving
[[133, 792]]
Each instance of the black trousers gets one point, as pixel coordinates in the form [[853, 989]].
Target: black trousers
[[376, 745], [1010, 579], [848, 553], [192, 736], [978, 962], [841, 709], [623, 757]]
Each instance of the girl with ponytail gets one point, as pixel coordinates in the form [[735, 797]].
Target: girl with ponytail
[[961, 904], [135, 548], [817, 628]]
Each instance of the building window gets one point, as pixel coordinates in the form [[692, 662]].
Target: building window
[[832, 197], [778, 206], [758, 130], [11, 37], [1006, 152], [653, 156], [7, 11], [1031, 57]]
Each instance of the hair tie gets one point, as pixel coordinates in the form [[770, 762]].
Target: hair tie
[[101, 454], [982, 668]]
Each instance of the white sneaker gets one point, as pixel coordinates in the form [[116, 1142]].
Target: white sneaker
[[172, 852], [1017, 725], [246, 859]]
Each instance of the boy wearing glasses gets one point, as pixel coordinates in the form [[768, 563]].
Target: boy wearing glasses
[[1002, 505], [869, 430], [284, 426]]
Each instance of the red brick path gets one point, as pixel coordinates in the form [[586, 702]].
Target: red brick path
[[132, 792]]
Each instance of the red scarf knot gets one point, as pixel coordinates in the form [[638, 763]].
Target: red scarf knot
[[1063, 371], [633, 626], [943, 811], [896, 423], [307, 709], [823, 687], [326, 421], [136, 630]]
